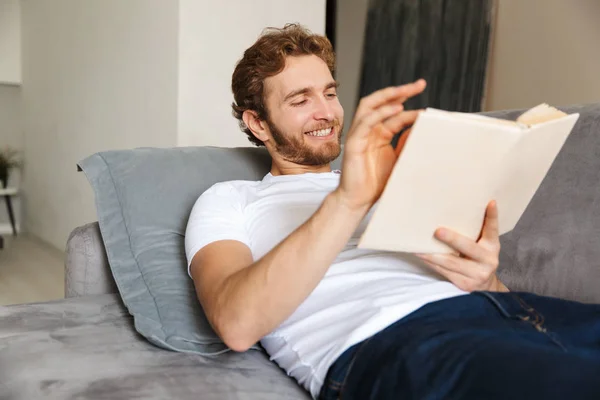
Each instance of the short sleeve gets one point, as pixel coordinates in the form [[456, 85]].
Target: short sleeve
[[216, 215]]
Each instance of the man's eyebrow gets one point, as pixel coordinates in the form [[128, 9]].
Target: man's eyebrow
[[333, 84], [305, 90], [296, 93]]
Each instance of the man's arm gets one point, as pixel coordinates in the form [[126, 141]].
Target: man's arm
[[245, 300]]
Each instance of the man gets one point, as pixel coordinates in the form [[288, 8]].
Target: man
[[276, 261]]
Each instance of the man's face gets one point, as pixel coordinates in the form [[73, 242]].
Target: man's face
[[305, 116]]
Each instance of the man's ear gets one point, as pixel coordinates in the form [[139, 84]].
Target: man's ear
[[257, 126]]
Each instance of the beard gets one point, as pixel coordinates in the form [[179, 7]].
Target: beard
[[293, 149]]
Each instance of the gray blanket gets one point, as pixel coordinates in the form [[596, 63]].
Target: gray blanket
[[86, 348]]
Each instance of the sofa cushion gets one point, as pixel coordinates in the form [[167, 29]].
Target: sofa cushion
[[86, 348], [143, 201]]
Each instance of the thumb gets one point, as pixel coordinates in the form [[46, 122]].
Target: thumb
[[490, 229], [402, 141]]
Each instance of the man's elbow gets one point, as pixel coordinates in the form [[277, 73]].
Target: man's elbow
[[239, 345], [234, 337]]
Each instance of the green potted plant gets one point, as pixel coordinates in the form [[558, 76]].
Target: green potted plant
[[9, 159]]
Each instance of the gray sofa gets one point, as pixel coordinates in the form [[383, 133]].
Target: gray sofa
[[86, 347]]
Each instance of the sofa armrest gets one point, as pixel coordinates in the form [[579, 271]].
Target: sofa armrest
[[86, 266]]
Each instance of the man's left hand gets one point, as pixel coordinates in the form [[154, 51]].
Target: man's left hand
[[474, 268]]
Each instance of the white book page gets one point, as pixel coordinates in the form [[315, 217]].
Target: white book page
[[447, 173], [527, 166]]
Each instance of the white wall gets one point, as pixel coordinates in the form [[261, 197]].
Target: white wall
[[212, 38], [545, 51], [10, 121], [10, 135], [10, 41], [113, 74], [350, 31], [97, 75]]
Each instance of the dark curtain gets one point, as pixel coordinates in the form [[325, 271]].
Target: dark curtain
[[444, 41]]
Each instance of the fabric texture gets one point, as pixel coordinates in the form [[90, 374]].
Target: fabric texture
[[257, 213], [361, 293], [479, 346], [218, 214], [86, 266], [86, 348], [143, 201]]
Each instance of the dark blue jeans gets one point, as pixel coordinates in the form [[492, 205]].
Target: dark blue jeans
[[478, 346]]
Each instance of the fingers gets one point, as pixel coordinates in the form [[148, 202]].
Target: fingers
[[382, 106], [490, 230], [456, 278], [395, 123], [412, 89], [377, 116], [476, 268], [453, 263], [465, 274], [397, 94], [464, 245], [398, 122]]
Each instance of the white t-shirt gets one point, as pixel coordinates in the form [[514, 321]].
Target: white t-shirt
[[363, 291]]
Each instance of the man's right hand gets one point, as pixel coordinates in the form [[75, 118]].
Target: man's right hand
[[368, 154]]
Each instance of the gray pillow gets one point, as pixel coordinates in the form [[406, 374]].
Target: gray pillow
[[143, 201]]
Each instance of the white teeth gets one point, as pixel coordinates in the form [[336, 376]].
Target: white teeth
[[320, 132]]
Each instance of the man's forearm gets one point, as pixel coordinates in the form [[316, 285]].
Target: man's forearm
[[257, 299]]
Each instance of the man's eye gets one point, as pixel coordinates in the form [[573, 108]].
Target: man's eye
[[299, 103], [331, 95]]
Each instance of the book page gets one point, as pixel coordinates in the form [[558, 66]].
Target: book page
[[540, 114], [448, 171], [527, 166]]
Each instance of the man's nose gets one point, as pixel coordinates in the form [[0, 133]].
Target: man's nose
[[324, 110]]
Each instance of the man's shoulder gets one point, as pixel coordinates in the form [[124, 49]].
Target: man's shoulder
[[231, 187], [234, 191]]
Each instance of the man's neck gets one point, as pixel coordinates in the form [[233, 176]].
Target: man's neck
[[295, 169]]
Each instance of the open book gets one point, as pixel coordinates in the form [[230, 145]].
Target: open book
[[453, 164]]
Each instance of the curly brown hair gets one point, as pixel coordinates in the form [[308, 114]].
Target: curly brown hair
[[266, 58]]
